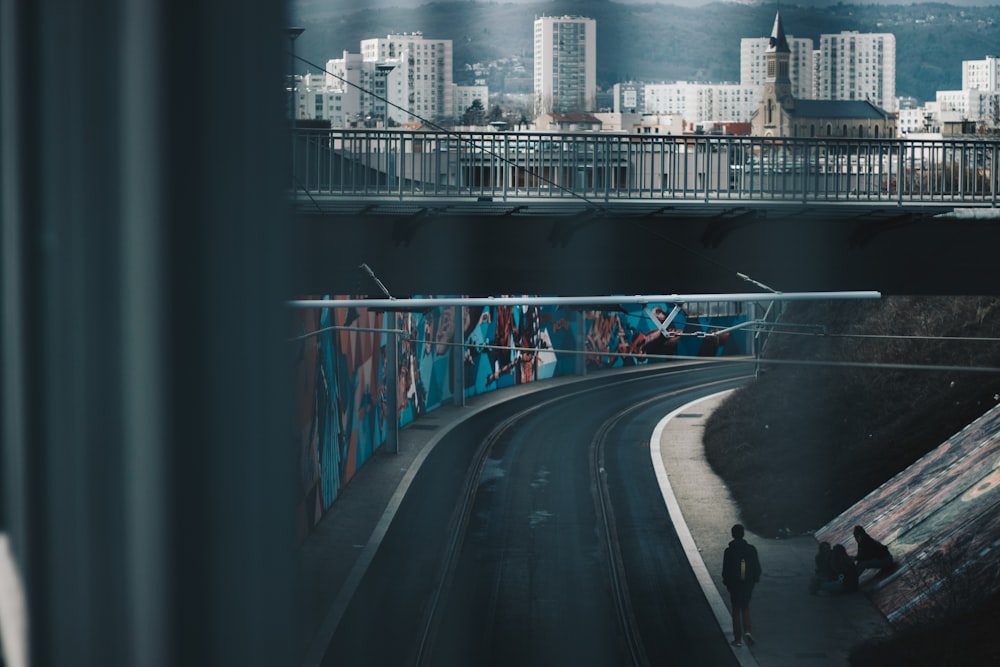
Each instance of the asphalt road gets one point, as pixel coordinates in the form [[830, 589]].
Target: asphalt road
[[497, 556]]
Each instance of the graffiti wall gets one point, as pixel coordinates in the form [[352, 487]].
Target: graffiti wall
[[939, 518], [343, 382]]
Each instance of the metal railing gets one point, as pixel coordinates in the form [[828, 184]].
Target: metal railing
[[598, 167]]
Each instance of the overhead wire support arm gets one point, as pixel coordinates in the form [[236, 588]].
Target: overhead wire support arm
[[371, 274], [757, 283]]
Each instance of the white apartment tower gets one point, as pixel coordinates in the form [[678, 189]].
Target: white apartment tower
[[701, 102], [859, 66], [981, 74], [753, 64], [565, 64], [420, 78], [367, 87]]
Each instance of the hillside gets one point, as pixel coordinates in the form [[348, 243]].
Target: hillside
[[815, 432], [840, 429], [665, 42]]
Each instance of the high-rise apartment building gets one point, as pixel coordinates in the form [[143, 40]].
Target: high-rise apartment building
[[367, 87], [859, 66], [701, 102], [753, 64], [981, 74], [565, 64], [419, 83]]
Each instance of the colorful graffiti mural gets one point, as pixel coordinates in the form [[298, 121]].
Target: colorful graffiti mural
[[939, 518], [343, 383]]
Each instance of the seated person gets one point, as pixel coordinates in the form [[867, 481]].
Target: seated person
[[846, 574], [824, 567], [872, 554]]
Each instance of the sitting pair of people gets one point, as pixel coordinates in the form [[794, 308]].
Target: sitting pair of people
[[837, 572]]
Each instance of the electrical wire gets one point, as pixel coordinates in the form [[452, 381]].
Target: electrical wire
[[660, 357], [597, 206]]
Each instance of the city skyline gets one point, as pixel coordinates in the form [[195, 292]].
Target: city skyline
[[820, 70], [298, 6], [648, 42]]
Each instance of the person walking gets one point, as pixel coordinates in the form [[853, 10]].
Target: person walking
[[740, 572]]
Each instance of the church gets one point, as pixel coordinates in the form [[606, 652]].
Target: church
[[781, 115]]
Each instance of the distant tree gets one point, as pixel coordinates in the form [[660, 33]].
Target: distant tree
[[496, 113], [475, 114]]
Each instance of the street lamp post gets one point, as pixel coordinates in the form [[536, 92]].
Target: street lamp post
[[292, 34]]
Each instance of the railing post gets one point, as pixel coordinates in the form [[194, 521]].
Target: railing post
[[994, 177], [506, 164], [708, 167], [900, 165], [804, 151]]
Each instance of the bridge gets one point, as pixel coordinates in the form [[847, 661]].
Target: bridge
[[496, 212], [595, 169]]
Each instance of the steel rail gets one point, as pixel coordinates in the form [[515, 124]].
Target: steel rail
[[602, 499], [423, 651]]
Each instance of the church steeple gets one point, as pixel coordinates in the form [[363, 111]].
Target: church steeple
[[777, 101], [778, 43], [777, 58]]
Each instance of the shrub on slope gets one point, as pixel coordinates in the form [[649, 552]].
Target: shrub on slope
[[835, 415]]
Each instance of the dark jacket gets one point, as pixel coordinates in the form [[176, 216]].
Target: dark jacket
[[845, 569], [870, 549], [740, 564], [824, 564]]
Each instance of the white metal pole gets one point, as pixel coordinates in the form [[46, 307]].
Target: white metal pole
[[613, 300]]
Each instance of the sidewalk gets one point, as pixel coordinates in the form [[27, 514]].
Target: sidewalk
[[791, 626]]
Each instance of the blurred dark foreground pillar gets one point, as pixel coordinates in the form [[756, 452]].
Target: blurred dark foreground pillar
[[146, 474]]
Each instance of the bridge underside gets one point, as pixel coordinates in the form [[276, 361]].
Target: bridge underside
[[493, 248]]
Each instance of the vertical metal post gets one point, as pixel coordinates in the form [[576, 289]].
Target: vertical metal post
[[504, 165], [995, 173], [458, 357], [581, 338], [804, 149], [708, 168], [292, 34], [392, 391]]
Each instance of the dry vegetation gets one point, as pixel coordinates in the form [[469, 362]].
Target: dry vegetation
[[833, 416]]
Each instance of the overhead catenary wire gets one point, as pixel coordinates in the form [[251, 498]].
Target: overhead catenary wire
[[622, 354], [457, 135], [597, 206]]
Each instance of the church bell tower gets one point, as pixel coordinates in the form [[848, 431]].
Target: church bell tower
[[777, 82]]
